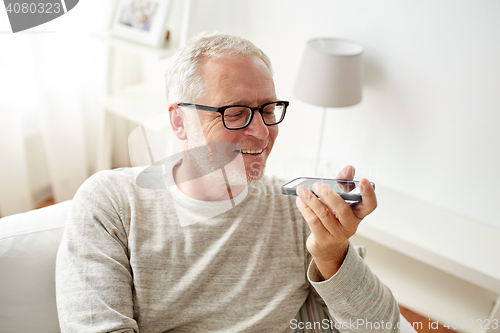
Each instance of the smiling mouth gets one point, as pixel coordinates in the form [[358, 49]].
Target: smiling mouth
[[251, 151]]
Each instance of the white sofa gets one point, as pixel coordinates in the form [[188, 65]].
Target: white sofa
[[28, 248]]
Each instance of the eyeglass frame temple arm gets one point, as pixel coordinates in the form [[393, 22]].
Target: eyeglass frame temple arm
[[200, 107]]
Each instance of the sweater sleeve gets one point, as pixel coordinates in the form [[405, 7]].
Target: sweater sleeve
[[94, 285], [356, 299]]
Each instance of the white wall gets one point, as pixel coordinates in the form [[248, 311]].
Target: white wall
[[429, 121]]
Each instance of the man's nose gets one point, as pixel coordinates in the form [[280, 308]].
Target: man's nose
[[257, 128]]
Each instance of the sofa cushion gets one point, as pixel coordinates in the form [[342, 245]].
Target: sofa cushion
[[28, 249]]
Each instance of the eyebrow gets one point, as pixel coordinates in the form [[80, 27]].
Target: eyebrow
[[241, 102]]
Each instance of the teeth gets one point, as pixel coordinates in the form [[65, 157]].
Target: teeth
[[251, 151]]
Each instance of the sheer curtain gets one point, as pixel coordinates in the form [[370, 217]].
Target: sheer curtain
[[51, 85]]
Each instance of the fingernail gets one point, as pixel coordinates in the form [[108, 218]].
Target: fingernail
[[300, 189], [316, 187], [362, 189]]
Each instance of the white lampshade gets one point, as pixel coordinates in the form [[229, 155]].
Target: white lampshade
[[330, 73]]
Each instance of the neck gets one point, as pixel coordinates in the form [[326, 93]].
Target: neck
[[211, 187]]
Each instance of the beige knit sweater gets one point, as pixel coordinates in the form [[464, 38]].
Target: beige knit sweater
[[127, 264]]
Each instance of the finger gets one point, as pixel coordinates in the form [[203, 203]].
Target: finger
[[347, 219], [329, 214], [321, 234], [317, 209], [369, 202], [316, 205], [347, 173], [346, 186]]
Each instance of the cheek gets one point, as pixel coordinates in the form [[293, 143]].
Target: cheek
[[213, 128], [273, 133], [218, 133]]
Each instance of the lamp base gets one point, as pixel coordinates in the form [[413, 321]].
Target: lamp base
[[320, 142]]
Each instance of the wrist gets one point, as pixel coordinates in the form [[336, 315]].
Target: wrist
[[330, 266]]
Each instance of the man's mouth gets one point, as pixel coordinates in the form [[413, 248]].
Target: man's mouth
[[251, 151]]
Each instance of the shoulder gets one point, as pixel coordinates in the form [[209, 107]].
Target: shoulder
[[112, 176], [105, 181], [116, 186], [111, 195]]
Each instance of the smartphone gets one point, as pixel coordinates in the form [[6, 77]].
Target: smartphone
[[347, 189]]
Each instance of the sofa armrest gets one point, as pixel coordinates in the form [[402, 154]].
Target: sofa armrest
[[28, 249]]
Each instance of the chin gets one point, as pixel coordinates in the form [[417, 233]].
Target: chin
[[254, 174], [252, 179], [241, 177]]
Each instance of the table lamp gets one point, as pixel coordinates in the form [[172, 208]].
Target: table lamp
[[329, 76]]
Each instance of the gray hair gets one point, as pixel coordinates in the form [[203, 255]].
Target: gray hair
[[183, 81]]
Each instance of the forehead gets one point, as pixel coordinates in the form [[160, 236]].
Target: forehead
[[237, 79]]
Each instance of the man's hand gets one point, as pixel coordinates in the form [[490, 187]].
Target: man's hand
[[333, 221]]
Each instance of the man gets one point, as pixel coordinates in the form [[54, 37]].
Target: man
[[128, 263]]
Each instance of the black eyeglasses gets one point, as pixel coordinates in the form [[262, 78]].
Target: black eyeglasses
[[236, 117]]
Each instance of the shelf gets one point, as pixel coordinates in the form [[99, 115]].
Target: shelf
[[133, 47], [438, 263], [445, 240], [138, 103], [141, 102], [426, 290]]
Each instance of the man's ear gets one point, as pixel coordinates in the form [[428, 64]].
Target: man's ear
[[177, 119]]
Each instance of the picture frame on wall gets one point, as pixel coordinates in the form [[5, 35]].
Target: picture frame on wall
[[142, 21]]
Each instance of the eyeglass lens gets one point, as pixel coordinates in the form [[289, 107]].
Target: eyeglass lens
[[239, 116]]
